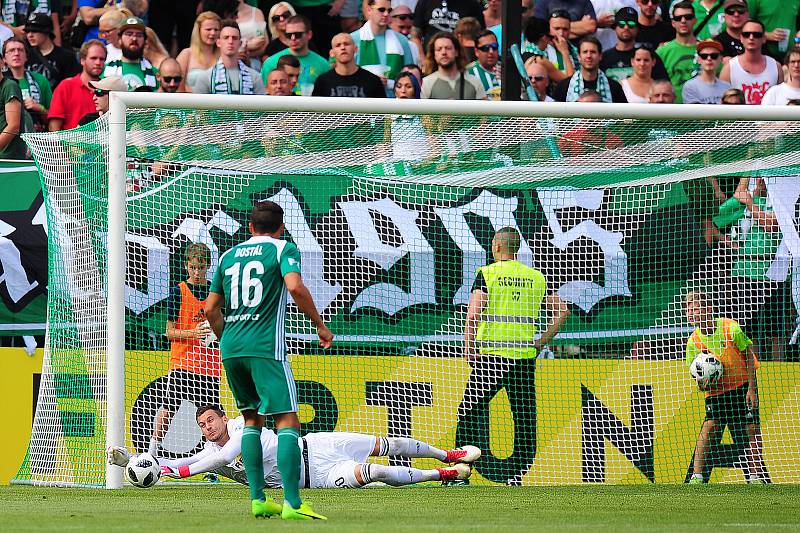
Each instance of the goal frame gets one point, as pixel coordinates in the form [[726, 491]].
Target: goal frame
[[120, 102]]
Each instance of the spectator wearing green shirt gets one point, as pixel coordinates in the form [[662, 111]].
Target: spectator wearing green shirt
[[712, 10], [132, 67], [298, 31], [780, 22], [679, 54], [13, 120], [36, 90]]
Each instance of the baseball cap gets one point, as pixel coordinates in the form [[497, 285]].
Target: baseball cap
[[709, 43], [131, 22], [731, 3], [39, 22], [111, 83], [626, 14]]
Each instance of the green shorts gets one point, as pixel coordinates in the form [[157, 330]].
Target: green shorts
[[261, 384]]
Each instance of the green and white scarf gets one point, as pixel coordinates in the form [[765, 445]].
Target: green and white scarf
[[221, 84], [368, 51], [148, 76], [576, 86], [557, 59], [33, 88], [10, 15], [489, 80]]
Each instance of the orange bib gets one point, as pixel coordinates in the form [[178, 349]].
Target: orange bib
[[732, 359], [191, 354]]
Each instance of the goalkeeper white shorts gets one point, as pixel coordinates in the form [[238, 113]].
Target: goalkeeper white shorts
[[334, 456]]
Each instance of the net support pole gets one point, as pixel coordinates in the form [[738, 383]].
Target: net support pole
[[115, 373]]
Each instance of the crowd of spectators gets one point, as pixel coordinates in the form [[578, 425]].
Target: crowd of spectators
[[618, 50]]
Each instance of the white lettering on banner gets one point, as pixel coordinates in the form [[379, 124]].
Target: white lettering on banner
[[157, 258], [586, 294], [313, 256], [199, 232], [387, 297], [500, 212], [14, 275]]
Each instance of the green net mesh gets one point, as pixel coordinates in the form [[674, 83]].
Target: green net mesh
[[394, 215]]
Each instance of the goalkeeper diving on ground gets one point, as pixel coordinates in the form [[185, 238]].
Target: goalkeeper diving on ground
[[329, 460]]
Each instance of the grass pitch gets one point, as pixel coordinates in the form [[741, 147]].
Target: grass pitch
[[419, 509]]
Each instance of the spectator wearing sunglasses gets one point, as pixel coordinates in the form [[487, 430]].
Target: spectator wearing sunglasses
[[752, 72], [276, 22], [789, 90], [617, 62], [606, 11], [780, 23], [581, 14], [402, 23], [736, 14], [485, 68], [433, 16], [170, 77], [298, 30], [539, 80], [652, 28], [102, 88], [711, 10], [379, 49], [679, 55], [706, 87]]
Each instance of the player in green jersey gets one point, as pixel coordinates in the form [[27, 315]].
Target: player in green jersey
[[246, 309]]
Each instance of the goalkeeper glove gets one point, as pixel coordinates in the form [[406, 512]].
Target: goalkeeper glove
[[180, 472], [118, 455]]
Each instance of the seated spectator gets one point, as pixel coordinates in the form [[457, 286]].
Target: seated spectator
[[662, 92], [406, 86], [538, 42], [736, 14], [108, 28], [486, 68], [278, 83], [678, 55], [36, 90], [466, 32], [298, 30], [14, 120], [52, 61], [706, 87], [653, 29], [446, 79], [379, 49], [276, 21], [133, 68], [291, 66], [790, 89], [347, 78], [589, 76], [709, 16], [752, 72], [203, 51], [230, 75], [581, 14], [402, 17], [254, 32], [170, 77], [72, 99], [539, 79], [15, 16], [434, 16], [733, 97], [616, 62], [101, 90], [154, 50], [90, 12], [637, 87]]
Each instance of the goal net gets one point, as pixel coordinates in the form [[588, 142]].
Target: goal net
[[394, 214]]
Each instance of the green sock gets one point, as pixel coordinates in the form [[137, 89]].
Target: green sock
[[253, 461], [289, 465]]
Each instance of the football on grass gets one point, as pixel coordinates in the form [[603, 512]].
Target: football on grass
[[143, 471], [706, 370]]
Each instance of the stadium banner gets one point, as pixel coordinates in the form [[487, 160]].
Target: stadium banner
[[613, 421], [23, 250]]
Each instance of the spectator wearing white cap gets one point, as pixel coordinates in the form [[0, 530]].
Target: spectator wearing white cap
[[101, 90], [790, 89], [133, 68], [706, 87]]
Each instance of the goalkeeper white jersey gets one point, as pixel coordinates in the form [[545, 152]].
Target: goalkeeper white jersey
[[234, 469]]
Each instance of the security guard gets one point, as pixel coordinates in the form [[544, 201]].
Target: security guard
[[501, 345]]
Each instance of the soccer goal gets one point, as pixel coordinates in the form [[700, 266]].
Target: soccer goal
[[626, 212]]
